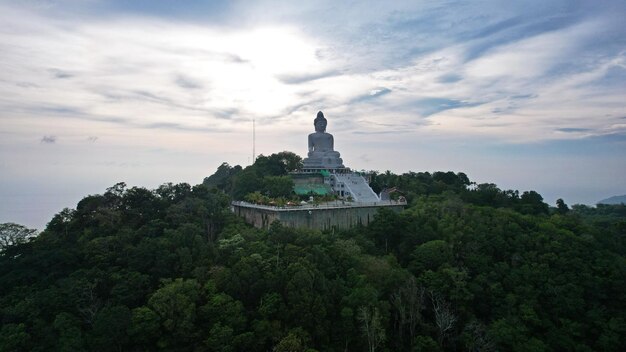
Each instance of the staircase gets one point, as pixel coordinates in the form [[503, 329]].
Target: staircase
[[356, 186]]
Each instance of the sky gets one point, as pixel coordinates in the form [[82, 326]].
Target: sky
[[529, 95]]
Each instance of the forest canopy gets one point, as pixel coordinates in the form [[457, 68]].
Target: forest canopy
[[465, 267]]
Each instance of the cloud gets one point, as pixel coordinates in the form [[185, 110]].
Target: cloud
[[303, 78], [450, 78], [187, 83], [49, 139], [404, 62], [371, 95], [307, 106], [382, 132], [60, 74], [572, 129], [180, 127], [376, 92], [138, 78], [430, 106], [60, 111]]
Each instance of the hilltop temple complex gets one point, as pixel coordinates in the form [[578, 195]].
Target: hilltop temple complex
[[323, 174], [323, 160]]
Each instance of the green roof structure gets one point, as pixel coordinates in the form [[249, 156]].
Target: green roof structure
[[318, 189]]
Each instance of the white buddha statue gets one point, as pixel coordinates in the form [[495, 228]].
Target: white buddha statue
[[321, 147]]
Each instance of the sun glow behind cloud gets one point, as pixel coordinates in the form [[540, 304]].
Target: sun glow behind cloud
[[149, 72]]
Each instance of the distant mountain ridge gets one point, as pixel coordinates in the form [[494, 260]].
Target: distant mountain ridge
[[614, 200]]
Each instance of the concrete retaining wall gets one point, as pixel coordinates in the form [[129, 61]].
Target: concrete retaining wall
[[322, 218]]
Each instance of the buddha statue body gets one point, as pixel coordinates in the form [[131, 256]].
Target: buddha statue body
[[321, 153]]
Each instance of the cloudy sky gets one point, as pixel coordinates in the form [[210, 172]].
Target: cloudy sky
[[524, 94]]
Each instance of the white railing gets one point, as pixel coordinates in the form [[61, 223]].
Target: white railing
[[327, 205]]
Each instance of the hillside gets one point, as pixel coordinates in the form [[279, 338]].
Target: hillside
[[614, 200], [464, 267]]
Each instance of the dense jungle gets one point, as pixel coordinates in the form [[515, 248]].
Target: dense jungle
[[465, 267]]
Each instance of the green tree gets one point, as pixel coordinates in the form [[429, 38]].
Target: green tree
[[13, 337], [296, 341], [223, 309], [68, 328], [175, 304], [561, 207], [109, 329], [290, 343], [445, 319], [223, 177], [247, 181], [290, 160], [408, 303], [12, 234], [430, 256], [278, 164], [371, 325], [531, 202], [278, 186], [425, 344], [144, 327]]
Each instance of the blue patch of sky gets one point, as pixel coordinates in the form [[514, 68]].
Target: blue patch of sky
[[482, 31], [514, 33], [199, 10], [430, 106], [396, 39], [374, 94], [492, 29], [614, 77], [168, 8], [594, 53], [429, 22], [418, 33]]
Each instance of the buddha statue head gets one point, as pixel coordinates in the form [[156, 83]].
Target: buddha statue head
[[320, 122]]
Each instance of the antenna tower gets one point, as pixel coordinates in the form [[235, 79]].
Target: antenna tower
[[253, 140]]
